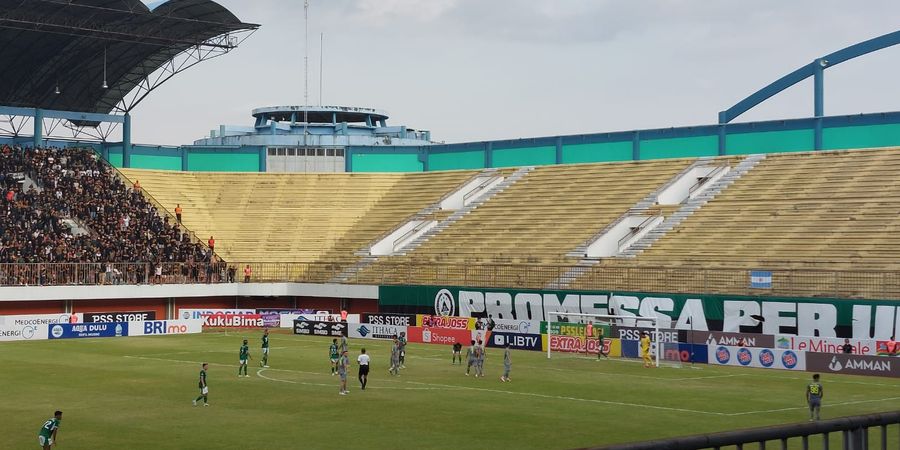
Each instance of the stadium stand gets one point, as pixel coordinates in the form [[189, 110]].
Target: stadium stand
[[824, 211], [535, 222], [76, 210], [308, 218]]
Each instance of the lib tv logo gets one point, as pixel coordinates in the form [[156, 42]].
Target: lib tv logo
[[444, 303], [363, 331]]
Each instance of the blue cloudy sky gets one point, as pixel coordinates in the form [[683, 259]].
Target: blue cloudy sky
[[473, 70]]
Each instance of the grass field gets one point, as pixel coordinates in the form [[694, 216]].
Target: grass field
[[136, 392]]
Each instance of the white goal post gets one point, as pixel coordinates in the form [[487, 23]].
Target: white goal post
[[613, 319]]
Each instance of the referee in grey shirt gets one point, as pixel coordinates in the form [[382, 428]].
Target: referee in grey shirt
[[363, 361]]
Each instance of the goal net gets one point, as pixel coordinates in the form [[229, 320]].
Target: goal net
[[592, 335]]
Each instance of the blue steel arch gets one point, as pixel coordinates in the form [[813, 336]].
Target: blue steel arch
[[814, 69]]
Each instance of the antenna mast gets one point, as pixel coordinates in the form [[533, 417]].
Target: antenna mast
[[321, 63], [305, 72]]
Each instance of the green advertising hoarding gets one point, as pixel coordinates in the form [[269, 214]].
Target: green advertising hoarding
[[827, 317]]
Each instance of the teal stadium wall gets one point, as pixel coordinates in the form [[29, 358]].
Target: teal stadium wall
[[794, 135]]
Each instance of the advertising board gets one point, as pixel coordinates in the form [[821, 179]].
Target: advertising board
[[854, 318], [446, 336], [123, 316], [196, 313], [23, 332], [576, 344], [517, 341], [164, 327], [317, 328], [733, 339], [374, 331], [517, 326], [825, 344], [853, 364], [765, 358], [40, 319], [220, 320], [403, 320], [458, 323], [87, 330]]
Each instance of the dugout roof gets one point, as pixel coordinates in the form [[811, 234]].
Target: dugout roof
[[45, 44]]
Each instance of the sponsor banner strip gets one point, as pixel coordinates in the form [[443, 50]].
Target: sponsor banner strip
[[403, 320], [23, 332], [119, 316], [374, 331], [196, 313], [454, 322], [233, 320], [87, 330], [318, 328], [862, 319], [445, 336], [765, 358], [853, 364], [40, 319], [164, 327]]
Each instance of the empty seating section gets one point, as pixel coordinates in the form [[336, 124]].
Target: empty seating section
[[261, 217], [537, 220], [824, 210]]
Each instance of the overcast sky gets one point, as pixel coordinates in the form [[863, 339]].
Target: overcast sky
[[471, 70]]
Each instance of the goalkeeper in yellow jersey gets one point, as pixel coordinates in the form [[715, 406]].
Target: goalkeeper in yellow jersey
[[645, 349]]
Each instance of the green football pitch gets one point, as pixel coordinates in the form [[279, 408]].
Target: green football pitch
[[136, 392]]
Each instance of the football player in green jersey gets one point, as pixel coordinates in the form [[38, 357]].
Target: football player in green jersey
[[204, 389], [334, 355], [244, 356], [49, 430], [265, 349]]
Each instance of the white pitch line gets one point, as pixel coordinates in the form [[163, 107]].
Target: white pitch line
[[561, 397], [259, 374], [436, 386], [857, 402]]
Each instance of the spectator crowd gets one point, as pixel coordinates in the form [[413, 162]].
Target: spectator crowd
[[124, 231]]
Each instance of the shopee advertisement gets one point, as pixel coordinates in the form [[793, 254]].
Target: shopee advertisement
[[445, 336]]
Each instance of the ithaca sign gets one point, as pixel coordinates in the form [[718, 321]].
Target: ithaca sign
[[860, 319]]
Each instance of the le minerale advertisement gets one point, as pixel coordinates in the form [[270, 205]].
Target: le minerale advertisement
[[851, 318]]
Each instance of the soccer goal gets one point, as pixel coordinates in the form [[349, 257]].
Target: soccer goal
[[578, 333]]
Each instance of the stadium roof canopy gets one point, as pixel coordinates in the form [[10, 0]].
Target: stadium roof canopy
[[105, 56]]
